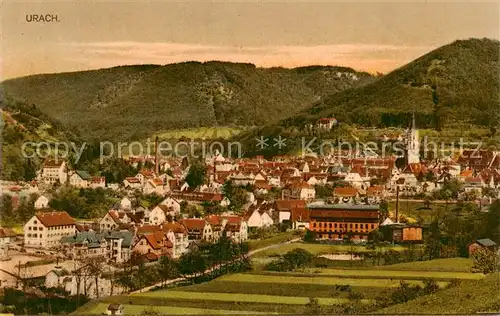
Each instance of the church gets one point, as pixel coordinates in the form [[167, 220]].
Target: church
[[412, 153]]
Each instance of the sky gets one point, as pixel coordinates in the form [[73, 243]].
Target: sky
[[369, 36]]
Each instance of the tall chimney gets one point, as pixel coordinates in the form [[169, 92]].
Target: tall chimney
[[397, 204], [157, 170]]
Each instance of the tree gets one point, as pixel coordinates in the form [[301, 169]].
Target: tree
[[310, 236], [150, 311], [433, 242], [26, 209], [485, 261], [7, 209], [383, 209], [196, 175], [237, 195], [298, 258], [167, 267], [192, 262]]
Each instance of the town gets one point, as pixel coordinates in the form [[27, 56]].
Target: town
[[173, 211]]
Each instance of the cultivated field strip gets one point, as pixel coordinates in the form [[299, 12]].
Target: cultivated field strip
[[245, 298], [383, 274], [305, 290], [171, 310], [326, 280]]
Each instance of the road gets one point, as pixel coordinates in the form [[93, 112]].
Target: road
[[250, 253]]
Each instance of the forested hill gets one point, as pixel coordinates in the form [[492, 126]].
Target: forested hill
[[133, 102], [455, 84]]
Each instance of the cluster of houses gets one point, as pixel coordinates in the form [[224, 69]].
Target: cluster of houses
[[285, 190]]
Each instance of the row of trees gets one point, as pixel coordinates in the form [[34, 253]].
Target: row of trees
[[207, 261], [451, 231], [20, 213]]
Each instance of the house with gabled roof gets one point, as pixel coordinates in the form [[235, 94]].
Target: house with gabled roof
[[97, 182], [300, 218], [198, 229], [302, 191], [110, 221], [132, 183], [235, 228], [484, 243], [179, 238], [79, 178], [53, 171], [159, 214], [41, 202], [45, 229], [156, 243], [85, 244], [144, 175], [155, 185], [283, 209], [257, 217]]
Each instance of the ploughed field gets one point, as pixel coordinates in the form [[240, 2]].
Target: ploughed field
[[287, 292]]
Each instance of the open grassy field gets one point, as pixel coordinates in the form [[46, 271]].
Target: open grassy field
[[261, 243], [278, 289], [443, 265], [317, 249], [98, 309], [469, 297], [317, 279]]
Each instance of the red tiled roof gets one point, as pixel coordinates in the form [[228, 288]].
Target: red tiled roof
[[155, 239], [51, 219], [97, 179], [146, 229], [300, 214], [214, 220], [375, 190], [288, 205], [233, 219], [343, 214], [176, 227], [114, 215], [52, 164], [193, 223], [132, 180], [345, 191]]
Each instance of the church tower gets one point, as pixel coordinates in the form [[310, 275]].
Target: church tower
[[412, 143]]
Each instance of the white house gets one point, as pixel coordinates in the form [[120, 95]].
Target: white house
[[172, 204], [44, 230], [79, 179], [181, 241], [125, 204], [258, 218], [97, 182], [235, 228], [155, 185], [53, 171], [41, 202], [355, 180], [158, 214], [110, 221], [132, 183]]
